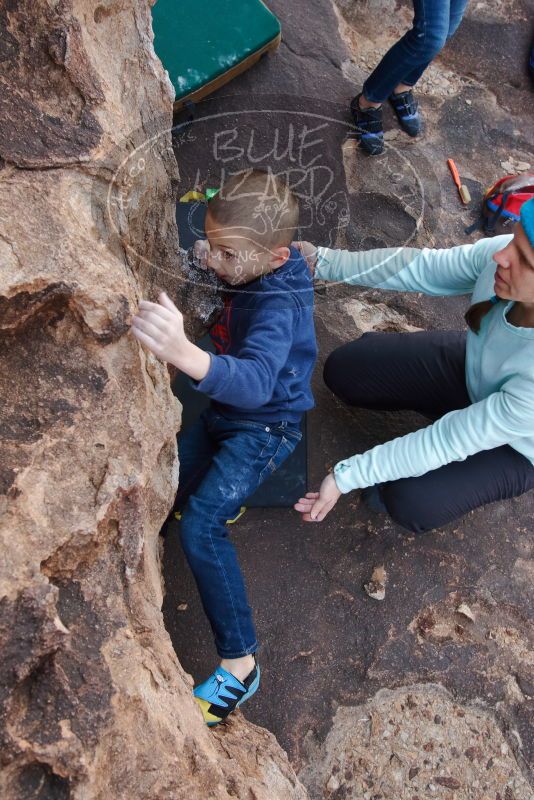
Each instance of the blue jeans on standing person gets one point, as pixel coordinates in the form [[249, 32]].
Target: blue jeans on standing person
[[222, 462], [435, 21]]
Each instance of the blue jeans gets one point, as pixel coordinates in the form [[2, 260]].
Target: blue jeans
[[222, 462], [434, 22]]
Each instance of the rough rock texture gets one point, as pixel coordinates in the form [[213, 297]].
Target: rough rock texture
[[415, 741], [324, 642], [93, 701]]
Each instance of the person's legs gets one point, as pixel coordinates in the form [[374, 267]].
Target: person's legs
[[414, 50], [435, 21], [456, 13], [423, 371], [247, 454], [195, 452], [443, 495]]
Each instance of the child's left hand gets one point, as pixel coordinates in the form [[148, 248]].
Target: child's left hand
[[316, 505]]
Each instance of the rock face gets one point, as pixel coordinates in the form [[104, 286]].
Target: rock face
[[93, 701]]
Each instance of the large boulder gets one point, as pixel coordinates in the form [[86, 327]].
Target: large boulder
[[93, 701]]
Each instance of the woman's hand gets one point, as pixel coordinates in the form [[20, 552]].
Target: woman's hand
[[309, 253], [316, 505]]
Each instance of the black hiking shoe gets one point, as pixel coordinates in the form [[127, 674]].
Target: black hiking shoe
[[407, 110], [369, 129]]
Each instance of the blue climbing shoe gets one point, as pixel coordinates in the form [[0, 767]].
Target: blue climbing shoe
[[407, 110], [222, 693], [369, 128]]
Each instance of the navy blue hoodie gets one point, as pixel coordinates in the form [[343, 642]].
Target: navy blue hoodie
[[266, 348]]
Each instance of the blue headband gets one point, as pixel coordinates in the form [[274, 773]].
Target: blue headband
[[527, 219]]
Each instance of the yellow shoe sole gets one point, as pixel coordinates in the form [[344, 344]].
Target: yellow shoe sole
[[178, 516]]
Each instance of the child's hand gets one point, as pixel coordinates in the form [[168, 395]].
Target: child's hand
[[160, 327], [309, 252], [316, 505]]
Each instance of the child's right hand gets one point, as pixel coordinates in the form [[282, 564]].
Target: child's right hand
[[309, 252]]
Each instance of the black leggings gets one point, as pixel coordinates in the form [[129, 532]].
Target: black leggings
[[425, 372]]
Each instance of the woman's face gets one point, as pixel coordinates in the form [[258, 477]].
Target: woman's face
[[514, 276]]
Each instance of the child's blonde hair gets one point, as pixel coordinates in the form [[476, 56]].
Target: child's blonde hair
[[259, 206]]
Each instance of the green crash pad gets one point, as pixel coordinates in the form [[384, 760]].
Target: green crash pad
[[205, 43]]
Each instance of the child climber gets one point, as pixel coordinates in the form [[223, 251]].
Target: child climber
[[259, 385]]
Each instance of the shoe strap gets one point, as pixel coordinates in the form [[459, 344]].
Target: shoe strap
[[229, 678], [368, 125], [217, 685], [404, 103], [251, 677]]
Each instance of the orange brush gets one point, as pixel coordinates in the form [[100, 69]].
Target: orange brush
[[463, 191]]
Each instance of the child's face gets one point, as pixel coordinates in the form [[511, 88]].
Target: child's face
[[236, 259]]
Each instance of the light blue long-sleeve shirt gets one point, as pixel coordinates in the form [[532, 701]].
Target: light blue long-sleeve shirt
[[499, 361]]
